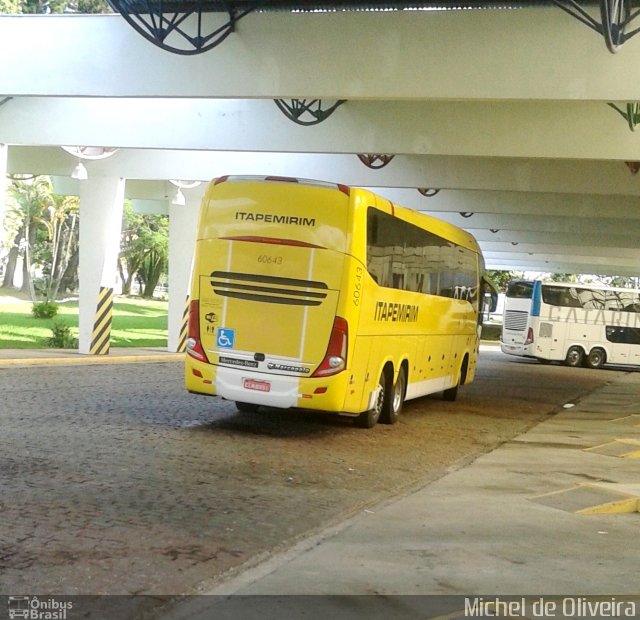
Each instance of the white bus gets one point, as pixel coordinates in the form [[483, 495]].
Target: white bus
[[573, 323]]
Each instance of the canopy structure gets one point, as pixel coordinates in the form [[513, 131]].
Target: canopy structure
[[187, 26], [513, 124]]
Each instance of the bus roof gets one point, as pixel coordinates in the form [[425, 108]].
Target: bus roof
[[345, 189], [444, 229], [448, 231]]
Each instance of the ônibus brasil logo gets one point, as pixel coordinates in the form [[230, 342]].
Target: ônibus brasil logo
[[38, 608]]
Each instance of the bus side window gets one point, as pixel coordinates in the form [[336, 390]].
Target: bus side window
[[372, 229], [634, 335], [403, 256], [624, 335]]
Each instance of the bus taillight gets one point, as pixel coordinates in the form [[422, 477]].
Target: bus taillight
[[194, 346], [335, 359], [529, 338]]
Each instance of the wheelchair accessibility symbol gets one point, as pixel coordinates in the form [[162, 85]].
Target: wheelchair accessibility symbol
[[225, 338]]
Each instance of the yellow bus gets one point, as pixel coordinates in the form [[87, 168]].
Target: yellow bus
[[314, 295]]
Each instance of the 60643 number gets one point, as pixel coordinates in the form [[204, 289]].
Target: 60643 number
[[270, 260], [357, 287]]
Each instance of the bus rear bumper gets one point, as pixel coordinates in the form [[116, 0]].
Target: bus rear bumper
[[522, 351], [269, 390], [512, 349]]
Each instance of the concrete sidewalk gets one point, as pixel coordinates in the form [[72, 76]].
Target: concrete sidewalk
[[40, 357], [552, 512]]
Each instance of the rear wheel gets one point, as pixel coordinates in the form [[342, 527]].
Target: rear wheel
[[452, 393], [246, 407], [596, 358], [574, 358], [368, 419], [392, 405]]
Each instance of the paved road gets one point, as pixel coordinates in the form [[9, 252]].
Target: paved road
[[115, 480]]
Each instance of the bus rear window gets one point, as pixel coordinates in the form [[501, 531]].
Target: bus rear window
[[520, 290]]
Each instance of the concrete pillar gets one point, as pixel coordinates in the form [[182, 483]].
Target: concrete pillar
[[183, 221], [101, 203]]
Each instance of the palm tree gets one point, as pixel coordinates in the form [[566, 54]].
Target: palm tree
[[60, 221], [32, 199]]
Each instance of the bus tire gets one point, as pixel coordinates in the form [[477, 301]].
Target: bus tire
[[392, 405], [246, 407], [452, 393], [596, 358], [574, 357], [368, 419]]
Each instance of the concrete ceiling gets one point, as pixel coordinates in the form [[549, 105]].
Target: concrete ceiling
[[504, 112]]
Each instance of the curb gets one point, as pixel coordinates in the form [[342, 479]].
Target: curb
[[120, 359]]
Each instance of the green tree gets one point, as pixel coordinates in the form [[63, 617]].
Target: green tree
[[13, 231], [152, 268], [54, 6], [155, 236], [60, 222], [44, 230], [144, 249], [502, 278], [93, 6], [131, 248], [10, 7], [618, 281], [41, 6], [31, 200], [562, 277]]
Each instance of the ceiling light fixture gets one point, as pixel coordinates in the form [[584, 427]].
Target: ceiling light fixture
[[87, 152], [179, 199], [80, 172]]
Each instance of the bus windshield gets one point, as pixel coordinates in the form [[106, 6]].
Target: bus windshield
[[520, 289]]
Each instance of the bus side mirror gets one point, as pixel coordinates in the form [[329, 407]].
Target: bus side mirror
[[494, 301]]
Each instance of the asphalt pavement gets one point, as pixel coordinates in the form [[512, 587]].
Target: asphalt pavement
[[552, 513]]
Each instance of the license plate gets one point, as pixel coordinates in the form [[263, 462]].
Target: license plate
[[260, 386]]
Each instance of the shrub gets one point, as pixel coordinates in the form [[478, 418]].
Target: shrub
[[44, 310], [62, 337], [491, 332]]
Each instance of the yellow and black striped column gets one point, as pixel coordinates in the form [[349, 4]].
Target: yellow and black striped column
[[101, 335], [182, 339]]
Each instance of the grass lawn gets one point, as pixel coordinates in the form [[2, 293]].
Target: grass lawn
[[136, 323]]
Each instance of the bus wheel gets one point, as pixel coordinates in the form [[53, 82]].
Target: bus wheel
[[392, 407], [574, 357], [368, 419], [452, 393], [596, 358], [246, 407]]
